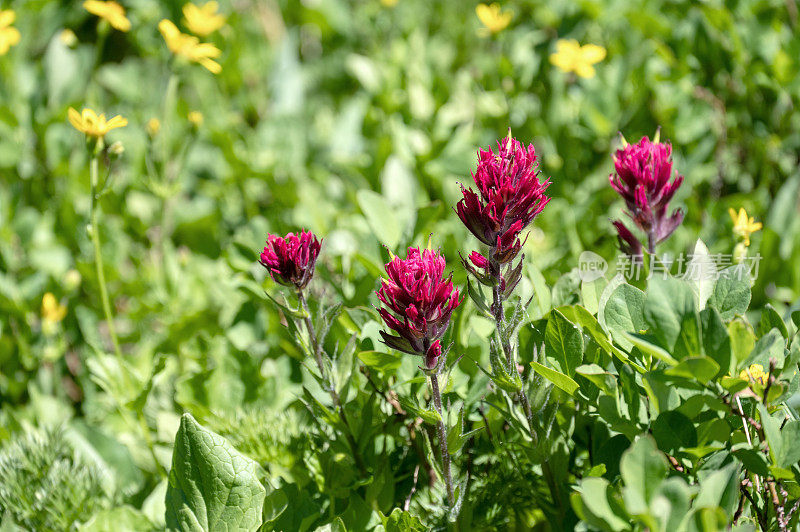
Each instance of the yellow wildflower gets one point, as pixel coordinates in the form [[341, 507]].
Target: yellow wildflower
[[389, 3], [189, 46], [203, 20], [196, 118], [743, 226], [8, 36], [92, 125], [109, 11], [754, 373], [572, 57], [52, 311], [492, 17], [153, 126]]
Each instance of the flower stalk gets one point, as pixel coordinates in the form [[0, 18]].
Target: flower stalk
[[442, 430], [316, 349], [94, 233]]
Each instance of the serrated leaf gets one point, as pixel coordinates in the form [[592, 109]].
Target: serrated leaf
[[211, 485]]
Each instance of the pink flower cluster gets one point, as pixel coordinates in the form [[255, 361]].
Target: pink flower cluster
[[642, 178], [509, 197], [418, 303], [290, 260]]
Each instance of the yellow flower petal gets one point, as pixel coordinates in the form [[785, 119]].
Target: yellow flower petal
[[7, 18], [203, 20], [593, 53], [584, 70]]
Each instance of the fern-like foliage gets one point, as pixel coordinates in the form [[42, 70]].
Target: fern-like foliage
[[43, 484]]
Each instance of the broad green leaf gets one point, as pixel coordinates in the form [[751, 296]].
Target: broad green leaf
[[623, 313], [770, 319], [783, 438], [120, 519], [563, 343], [716, 340], [591, 292], [559, 379], [211, 485], [742, 340], [384, 362], [647, 347], [674, 431], [597, 376], [597, 497], [720, 489], [701, 369], [400, 521], [769, 346], [731, 294], [668, 308], [380, 217], [643, 468], [581, 317]]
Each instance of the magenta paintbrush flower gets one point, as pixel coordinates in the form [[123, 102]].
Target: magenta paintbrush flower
[[509, 197], [418, 303], [642, 178], [290, 260]]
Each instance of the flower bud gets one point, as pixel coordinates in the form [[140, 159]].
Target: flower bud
[[290, 260], [418, 303], [642, 178]]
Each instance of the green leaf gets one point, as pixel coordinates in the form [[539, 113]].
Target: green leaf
[[604, 512], [623, 313], [559, 379], [643, 469], [716, 340], [649, 348], [731, 294], [119, 519], [384, 362], [581, 317], [674, 431], [380, 217], [701, 369], [211, 485], [742, 340], [770, 319], [400, 521], [668, 309], [597, 376], [784, 443], [563, 343], [720, 489], [591, 292]]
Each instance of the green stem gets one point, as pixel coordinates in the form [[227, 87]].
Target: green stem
[[437, 401], [94, 231], [316, 348]]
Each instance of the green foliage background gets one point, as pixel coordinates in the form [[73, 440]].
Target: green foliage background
[[357, 121]]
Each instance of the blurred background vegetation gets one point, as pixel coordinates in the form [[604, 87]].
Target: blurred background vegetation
[[357, 120]]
